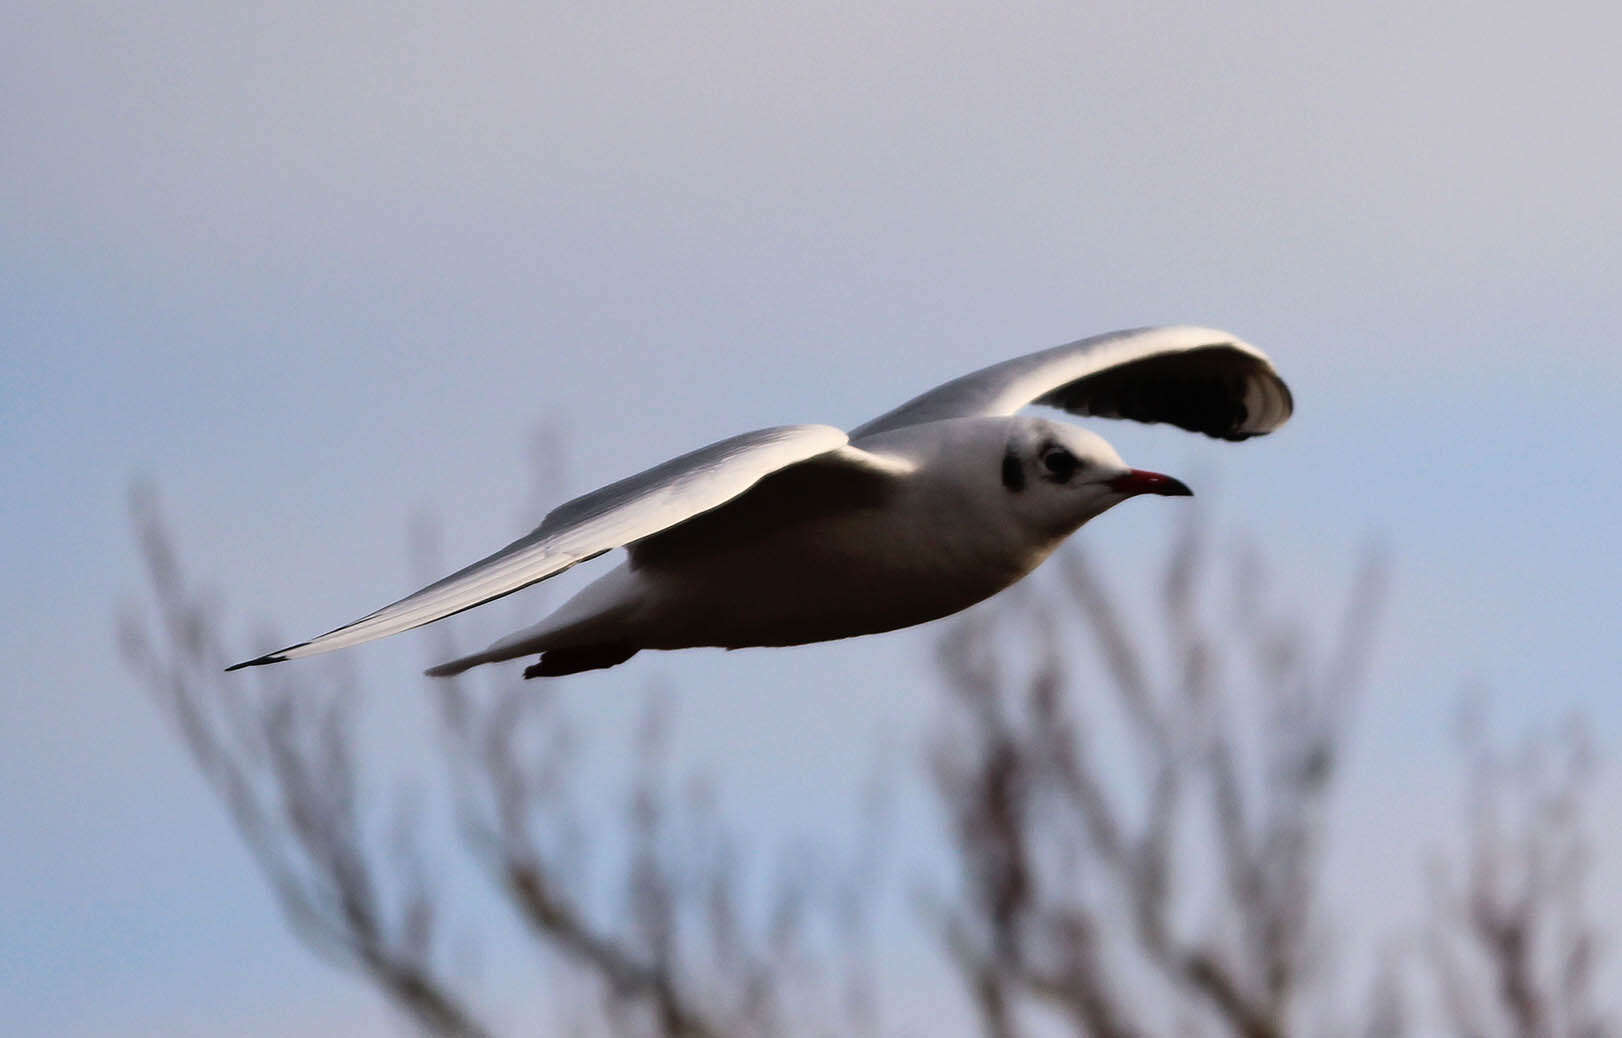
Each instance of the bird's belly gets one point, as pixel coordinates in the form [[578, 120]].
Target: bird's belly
[[808, 585]]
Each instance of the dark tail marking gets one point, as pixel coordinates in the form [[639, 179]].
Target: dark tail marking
[[557, 662]]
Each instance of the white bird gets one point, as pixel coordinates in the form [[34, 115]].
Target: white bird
[[804, 533]]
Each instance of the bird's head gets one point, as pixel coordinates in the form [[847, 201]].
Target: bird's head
[[1058, 476]]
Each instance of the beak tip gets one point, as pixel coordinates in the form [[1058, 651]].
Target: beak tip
[[1137, 481]]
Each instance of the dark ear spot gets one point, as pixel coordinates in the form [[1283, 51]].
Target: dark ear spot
[[1013, 473]]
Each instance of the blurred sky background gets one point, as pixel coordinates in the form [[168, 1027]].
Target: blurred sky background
[[315, 269]]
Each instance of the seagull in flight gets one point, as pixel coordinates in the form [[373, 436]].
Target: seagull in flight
[[806, 533]]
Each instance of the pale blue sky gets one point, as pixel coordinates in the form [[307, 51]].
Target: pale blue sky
[[315, 271]]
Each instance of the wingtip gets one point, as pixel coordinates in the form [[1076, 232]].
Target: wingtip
[[273, 657]]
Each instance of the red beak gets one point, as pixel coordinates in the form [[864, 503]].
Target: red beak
[[1140, 482]]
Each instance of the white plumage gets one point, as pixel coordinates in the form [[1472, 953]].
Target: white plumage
[[804, 533]]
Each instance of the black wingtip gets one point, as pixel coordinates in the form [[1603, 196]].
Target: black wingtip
[[260, 662]]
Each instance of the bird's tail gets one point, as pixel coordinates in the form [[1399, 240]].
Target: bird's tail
[[553, 662], [589, 628], [451, 668]]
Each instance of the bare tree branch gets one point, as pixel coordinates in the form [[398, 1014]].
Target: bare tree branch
[[683, 960], [1138, 830], [280, 756], [1074, 875], [1511, 940]]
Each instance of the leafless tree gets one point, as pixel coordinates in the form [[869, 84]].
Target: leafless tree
[[1140, 826], [680, 952], [280, 753], [683, 960], [1512, 942], [1135, 804]]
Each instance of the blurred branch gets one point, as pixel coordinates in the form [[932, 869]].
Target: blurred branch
[[1073, 876], [682, 961], [684, 957], [1139, 840], [280, 756], [511, 790], [1512, 943]]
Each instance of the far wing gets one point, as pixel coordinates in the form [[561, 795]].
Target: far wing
[[586, 527], [1198, 379]]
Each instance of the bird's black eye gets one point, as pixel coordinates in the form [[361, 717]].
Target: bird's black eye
[[1059, 463]]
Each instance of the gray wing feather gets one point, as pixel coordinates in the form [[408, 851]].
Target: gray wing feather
[[588, 526], [1200, 379]]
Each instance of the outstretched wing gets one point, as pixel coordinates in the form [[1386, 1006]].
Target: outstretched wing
[[1199, 379], [586, 527]]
